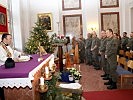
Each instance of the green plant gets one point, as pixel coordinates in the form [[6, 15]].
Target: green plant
[[59, 39], [75, 73], [39, 35], [52, 89]]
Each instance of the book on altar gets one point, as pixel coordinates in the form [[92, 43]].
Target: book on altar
[[71, 85], [24, 58]]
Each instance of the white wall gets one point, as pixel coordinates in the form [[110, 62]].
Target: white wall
[[130, 6], [126, 15], [132, 19], [44, 6], [3, 3], [17, 33], [90, 16]]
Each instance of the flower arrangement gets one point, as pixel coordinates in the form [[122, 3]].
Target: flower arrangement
[[75, 73], [59, 39]]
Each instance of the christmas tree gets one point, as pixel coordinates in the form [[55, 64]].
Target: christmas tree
[[39, 36]]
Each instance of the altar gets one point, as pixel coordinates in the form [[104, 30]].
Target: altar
[[20, 83]]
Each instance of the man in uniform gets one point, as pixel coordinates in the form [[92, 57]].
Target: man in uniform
[[81, 46], [102, 48], [95, 51], [130, 42], [111, 56], [88, 55], [124, 41]]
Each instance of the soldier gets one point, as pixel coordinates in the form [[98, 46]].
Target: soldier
[[102, 48], [82, 38], [111, 56], [95, 51], [81, 50], [73, 42], [118, 38], [88, 55], [130, 42], [124, 41]]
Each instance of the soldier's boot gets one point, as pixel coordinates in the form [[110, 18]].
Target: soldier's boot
[[109, 82], [112, 86], [107, 77]]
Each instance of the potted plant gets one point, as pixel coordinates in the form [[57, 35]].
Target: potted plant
[[75, 73]]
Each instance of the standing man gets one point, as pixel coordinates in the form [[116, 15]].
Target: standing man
[[130, 42], [88, 55], [102, 49], [111, 56], [81, 44], [95, 51], [124, 41]]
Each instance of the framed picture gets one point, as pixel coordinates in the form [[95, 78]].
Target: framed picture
[[72, 25], [3, 20], [46, 20], [110, 20], [109, 3], [71, 4]]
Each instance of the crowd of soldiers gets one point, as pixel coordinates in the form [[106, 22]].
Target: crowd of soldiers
[[102, 52]]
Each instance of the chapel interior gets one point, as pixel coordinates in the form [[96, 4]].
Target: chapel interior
[[67, 18]]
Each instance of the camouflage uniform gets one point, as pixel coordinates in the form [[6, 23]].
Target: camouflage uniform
[[88, 54], [130, 43], [81, 51], [95, 51], [124, 42], [111, 52], [102, 49]]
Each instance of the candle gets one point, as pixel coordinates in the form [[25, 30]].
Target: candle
[[46, 70], [79, 68], [47, 75], [70, 78], [41, 81]]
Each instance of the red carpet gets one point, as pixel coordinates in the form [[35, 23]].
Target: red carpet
[[109, 95]]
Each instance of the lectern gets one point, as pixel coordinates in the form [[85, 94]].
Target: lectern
[[60, 54]]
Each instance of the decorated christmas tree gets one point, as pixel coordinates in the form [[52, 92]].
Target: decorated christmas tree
[[38, 37]]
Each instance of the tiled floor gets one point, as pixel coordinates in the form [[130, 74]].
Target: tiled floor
[[91, 80]]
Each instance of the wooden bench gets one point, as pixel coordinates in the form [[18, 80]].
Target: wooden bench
[[123, 71]]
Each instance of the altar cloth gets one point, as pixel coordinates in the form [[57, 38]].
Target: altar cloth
[[23, 73], [21, 69]]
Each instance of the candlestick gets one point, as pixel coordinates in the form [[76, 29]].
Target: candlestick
[[41, 81], [46, 70]]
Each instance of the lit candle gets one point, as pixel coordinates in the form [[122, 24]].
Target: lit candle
[[46, 70], [41, 81], [47, 75], [79, 68]]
